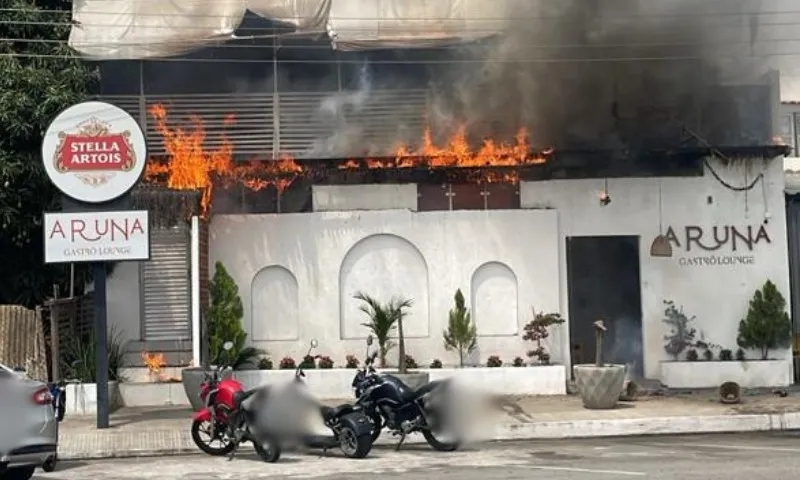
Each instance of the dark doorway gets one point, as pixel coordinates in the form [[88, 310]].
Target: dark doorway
[[603, 283], [793, 230]]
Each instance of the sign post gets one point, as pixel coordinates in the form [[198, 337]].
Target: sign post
[[95, 153]]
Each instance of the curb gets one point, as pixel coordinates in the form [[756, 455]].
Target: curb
[[630, 427], [627, 427]]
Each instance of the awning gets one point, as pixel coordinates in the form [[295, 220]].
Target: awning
[[140, 29]]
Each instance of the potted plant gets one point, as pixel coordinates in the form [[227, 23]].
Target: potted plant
[[79, 362], [537, 330], [383, 320], [767, 325], [494, 362], [600, 385], [461, 334], [351, 361], [681, 334], [224, 325]]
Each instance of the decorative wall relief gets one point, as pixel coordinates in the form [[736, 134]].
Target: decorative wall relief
[[494, 300], [384, 265], [275, 305]]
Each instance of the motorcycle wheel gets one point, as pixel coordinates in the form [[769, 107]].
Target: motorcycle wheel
[[50, 465], [205, 445], [377, 426], [439, 445], [355, 446], [269, 451]]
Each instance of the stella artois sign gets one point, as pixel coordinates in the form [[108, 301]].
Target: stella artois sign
[[94, 152]]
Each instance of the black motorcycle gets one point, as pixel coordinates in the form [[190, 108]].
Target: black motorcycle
[[390, 403], [351, 429]]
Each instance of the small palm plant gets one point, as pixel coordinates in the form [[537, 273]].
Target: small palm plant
[[383, 319], [461, 334]]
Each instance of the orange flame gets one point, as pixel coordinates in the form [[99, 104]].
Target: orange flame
[[191, 167], [154, 362], [458, 153]]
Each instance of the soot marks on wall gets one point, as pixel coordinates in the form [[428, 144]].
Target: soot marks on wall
[[494, 294], [383, 266], [275, 305]]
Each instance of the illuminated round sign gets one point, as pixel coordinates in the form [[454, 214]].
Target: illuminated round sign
[[94, 152]]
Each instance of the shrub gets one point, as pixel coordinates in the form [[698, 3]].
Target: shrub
[[325, 362], [225, 323], [708, 355], [494, 361], [79, 357], [681, 334], [726, 355], [740, 356], [265, 364], [410, 362], [537, 330], [767, 325], [351, 361], [691, 355], [462, 333], [518, 362], [309, 362], [436, 363], [383, 318], [287, 363]]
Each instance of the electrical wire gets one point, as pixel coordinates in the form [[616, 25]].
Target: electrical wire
[[497, 24], [745, 188], [193, 41], [520, 18], [345, 61]]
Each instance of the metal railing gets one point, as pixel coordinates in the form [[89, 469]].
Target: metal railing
[[302, 124]]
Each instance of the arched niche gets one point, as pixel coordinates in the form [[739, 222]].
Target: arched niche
[[383, 266], [494, 296], [275, 304]]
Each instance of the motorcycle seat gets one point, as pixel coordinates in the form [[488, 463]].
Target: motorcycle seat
[[427, 388], [333, 412], [240, 397]]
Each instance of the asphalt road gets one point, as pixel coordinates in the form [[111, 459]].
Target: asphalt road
[[707, 457]]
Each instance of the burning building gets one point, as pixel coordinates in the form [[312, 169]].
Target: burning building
[[591, 160]]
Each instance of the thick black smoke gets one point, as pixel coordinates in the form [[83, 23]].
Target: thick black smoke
[[615, 74], [631, 74]]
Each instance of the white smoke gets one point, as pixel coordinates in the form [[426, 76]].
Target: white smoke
[[335, 110]]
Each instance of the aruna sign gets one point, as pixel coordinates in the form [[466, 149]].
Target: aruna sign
[[738, 241], [94, 152], [96, 236]]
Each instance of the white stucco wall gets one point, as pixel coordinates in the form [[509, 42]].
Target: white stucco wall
[[297, 274], [330, 198], [123, 301], [717, 295]]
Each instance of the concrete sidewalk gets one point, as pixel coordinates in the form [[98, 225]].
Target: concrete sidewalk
[[165, 431]]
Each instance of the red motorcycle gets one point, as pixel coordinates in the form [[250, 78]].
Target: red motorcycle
[[224, 422]]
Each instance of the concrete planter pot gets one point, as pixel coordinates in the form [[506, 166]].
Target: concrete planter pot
[[748, 374], [82, 398], [192, 378], [600, 387]]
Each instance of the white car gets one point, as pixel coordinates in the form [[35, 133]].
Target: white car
[[29, 432]]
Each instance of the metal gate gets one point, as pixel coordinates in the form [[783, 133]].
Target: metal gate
[[165, 288]]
